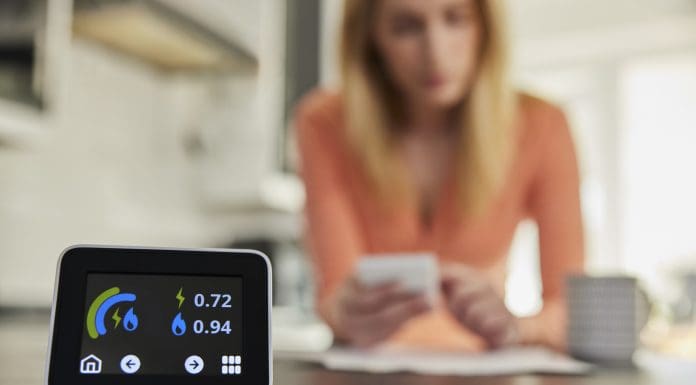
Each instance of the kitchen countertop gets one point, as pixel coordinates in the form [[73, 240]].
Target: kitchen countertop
[[24, 337]]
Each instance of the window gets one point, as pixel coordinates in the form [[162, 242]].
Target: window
[[658, 165]]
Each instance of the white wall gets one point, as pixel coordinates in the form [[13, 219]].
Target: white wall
[[109, 164]]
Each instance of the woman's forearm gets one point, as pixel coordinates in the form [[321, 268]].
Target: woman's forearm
[[548, 327]]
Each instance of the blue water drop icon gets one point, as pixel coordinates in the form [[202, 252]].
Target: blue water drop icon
[[130, 321], [178, 325]]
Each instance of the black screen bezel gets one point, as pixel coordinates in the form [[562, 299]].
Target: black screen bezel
[[69, 307]]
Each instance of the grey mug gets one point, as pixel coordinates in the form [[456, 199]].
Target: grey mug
[[605, 317]]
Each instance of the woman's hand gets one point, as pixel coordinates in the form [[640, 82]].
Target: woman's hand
[[364, 316], [475, 304]]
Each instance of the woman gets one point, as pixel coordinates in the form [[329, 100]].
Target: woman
[[427, 148]]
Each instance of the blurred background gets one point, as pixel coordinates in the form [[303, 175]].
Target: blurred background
[[167, 123]]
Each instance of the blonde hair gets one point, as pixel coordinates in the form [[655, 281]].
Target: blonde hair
[[485, 130]]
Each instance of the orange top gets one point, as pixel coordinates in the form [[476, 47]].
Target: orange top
[[345, 221]]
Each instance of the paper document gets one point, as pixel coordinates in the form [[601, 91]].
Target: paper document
[[510, 361]]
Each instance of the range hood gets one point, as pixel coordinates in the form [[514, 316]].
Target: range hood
[[160, 34]]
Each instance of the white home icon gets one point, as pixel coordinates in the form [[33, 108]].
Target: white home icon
[[90, 365]]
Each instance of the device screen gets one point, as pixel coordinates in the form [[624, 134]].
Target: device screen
[[142, 324]]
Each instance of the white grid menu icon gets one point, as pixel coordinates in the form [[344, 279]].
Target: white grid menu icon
[[231, 365]]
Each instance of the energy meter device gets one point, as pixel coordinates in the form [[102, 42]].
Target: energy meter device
[[143, 316]]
